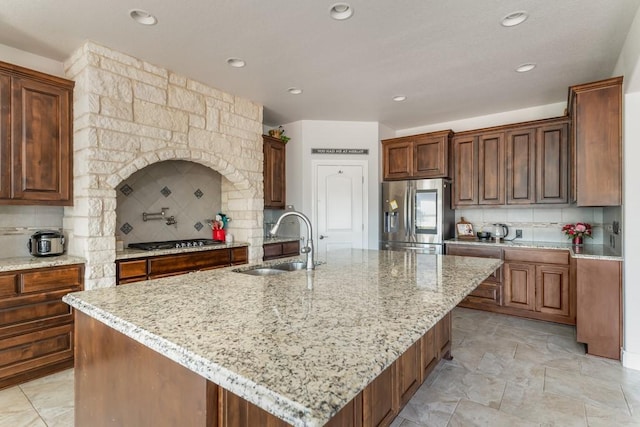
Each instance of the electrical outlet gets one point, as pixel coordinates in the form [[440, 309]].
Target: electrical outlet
[[518, 233]]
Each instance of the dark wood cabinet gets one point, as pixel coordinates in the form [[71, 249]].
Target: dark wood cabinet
[[418, 156], [36, 327], [552, 163], [491, 174], [465, 171], [280, 250], [275, 187], [428, 354], [35, 137], [596, 143], [599, 306], [157, 266], [380, 399], [409, 373], [489, 292], [517, 164], [520, 286], [539, 281], [521, 166]]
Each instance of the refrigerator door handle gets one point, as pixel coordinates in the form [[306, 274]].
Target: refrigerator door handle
[[410, 212], [407, 204]]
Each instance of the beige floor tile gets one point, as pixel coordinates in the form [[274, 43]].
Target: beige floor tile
[[473, 414], [517, 371], [590, 390], [52, 396], [548, 358], [605, 417], [430, 407], [531, 403], [458, 382], [16, 410]]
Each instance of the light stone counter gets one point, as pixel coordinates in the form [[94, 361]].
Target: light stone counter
[[301, 344], [139, 253], [27, 262], [582, 251]]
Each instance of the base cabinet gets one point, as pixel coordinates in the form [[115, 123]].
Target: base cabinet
[[36, 327], [280, 250], [113, 383], [490, 292], [599, 317], [155, 267]]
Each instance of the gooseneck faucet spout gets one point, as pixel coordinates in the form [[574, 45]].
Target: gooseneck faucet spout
[[308, 249]]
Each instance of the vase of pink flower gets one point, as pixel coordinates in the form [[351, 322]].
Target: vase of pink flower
[[577, 232]]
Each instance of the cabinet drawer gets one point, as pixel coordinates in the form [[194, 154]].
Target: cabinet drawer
[[239, 255], [134, 268], [272, 250], [166, 265], [8, 285], [51, 279], [291, 248], [487, 290], [35, 350], [477, 251], [32, 312], [537, 256]]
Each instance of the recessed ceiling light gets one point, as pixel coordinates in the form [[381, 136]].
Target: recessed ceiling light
[[515, 18], [399, 98], [143, 17], [294, 91], [525, 67], [341, 11], [236, 62]]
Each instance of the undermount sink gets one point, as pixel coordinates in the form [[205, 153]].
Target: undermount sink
[[269, 270]]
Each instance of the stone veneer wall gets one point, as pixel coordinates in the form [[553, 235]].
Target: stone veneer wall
[[129, 114]]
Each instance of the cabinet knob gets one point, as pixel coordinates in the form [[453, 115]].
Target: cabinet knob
[[323, 237]]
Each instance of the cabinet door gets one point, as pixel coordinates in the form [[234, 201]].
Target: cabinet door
[[491, 169], [519, 286], [599, 306], [465, 182], [552, 164], [552, 290], [521, 166], [443, 337], [598, 132], [5, 136], [380, 399], [41, 142], [274, 173], [429, 353], [431, 157], [397, 156], [409, 371]]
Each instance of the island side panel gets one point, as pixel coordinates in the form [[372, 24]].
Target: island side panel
[[119, 381]]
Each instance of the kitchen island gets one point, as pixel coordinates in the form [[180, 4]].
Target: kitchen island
[[299, 345]]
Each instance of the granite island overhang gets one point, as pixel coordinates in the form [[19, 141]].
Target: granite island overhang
[[300, 345]]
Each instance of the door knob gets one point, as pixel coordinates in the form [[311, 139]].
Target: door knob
[[323, 237]]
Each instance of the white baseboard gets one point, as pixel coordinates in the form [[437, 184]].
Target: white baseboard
[[631, 360]]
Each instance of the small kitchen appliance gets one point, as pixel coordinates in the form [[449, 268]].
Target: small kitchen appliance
[[500, 231], [46, 243]]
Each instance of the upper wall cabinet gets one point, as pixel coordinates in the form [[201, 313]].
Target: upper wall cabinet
[[35, 137], [596, 146], [275, 188], [418, 156], [519, 164]]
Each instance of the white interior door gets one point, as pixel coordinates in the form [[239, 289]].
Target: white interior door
[[340, 201]]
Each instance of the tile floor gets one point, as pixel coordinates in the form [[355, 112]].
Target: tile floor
[[506, 371]]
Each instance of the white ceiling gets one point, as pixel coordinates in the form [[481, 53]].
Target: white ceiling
[[451, 58]]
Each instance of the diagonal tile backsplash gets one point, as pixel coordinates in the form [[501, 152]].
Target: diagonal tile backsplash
[[190, 191]]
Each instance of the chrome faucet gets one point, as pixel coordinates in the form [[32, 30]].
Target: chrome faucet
[[308, 248]]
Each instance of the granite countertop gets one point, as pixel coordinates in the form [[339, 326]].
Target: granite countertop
[[27, 262], [583, 251], [139, 253], [301, 344]]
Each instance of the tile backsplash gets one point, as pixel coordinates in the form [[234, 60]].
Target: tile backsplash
[[537, 224], [190, 191], [289, 227], [18, 223]]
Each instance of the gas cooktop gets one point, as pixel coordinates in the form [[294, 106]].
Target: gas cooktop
[[173, 244]]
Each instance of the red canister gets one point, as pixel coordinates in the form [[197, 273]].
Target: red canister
[[218, 234]]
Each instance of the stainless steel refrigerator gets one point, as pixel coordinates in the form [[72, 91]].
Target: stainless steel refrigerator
[[416, 215]]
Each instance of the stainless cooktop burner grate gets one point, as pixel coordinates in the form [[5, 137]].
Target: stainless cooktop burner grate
[[172, 244]]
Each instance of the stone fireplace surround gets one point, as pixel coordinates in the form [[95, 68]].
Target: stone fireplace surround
[[129, 114]]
